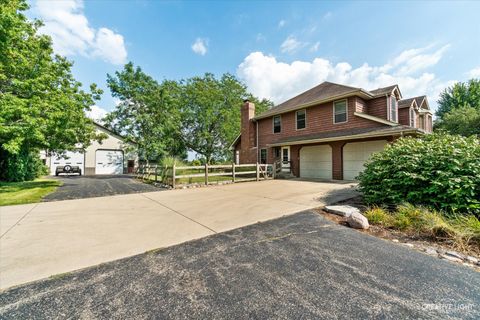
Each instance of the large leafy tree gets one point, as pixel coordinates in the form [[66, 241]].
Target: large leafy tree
[[210, 110], [41, 105], [459, 108], [461, 94], [147, 112]]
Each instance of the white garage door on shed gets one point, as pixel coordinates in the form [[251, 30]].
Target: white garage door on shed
[[108, 162], [355, 155], [72, 158], [316, 162]]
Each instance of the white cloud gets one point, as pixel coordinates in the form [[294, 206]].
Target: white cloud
[[261, 37], [315, 47], [71, 33], [281, 23], [267, 77], [327, 15], [290, 45], [96, 113], [474, 73], [200, 46]]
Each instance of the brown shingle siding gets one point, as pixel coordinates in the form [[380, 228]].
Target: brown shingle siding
[[378, 107]]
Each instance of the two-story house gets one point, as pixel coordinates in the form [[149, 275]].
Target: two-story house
[[329, 131]]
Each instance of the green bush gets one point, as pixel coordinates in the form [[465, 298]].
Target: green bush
[[24, 166], [461, 230], [439, 170]]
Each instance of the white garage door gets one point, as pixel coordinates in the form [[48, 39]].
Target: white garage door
[[108, 162], [355, 154], [72, 159], [316, 162]]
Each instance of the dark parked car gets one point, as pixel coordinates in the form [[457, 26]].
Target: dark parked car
[[68, 169]]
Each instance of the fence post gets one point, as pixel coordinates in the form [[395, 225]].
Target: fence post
[[233, 172], [258, 172], [156, 173], [173, 176], [206, 174], [274, 169]]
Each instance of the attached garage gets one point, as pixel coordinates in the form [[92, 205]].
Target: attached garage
[[109, 162], [74, 159], [355, 155], [316, 162]]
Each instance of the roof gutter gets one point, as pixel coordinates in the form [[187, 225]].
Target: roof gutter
[[350, 137]]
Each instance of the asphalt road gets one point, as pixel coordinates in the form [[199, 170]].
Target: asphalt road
[[299, 266], [79, 187]]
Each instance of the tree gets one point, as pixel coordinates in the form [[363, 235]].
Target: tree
[[210, 110], [147, 113], [461, 94], [42, 107], [464, 121]]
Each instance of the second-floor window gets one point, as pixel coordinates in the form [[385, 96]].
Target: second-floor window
[[393, 108], [340, 111], [301, 119], [412, 117], [277, 124]]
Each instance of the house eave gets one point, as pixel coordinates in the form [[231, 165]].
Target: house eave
[[349, 137], [376, 119]]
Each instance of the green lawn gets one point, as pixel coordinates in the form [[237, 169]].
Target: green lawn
[[26, 192]]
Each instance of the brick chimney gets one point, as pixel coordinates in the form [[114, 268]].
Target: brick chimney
[[248, 140]]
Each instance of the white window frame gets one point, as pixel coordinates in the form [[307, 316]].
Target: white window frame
[[296, 119], [392, 96], [273, 124], [412, 117], [346, 111]]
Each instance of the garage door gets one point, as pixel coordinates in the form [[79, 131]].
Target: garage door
[[316, 162], [108, 162], [72, 158], [355, 154]]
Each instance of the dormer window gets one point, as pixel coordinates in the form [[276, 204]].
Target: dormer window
[[412, 117], [393, 108]]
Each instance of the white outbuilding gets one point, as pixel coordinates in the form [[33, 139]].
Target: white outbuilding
[[112, 156]]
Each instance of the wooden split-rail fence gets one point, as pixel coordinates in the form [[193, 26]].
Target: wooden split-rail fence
[[205, 174]]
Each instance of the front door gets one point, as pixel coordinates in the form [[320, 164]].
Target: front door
[[286, 159]]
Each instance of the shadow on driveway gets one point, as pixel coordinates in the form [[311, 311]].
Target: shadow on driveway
[[79, 187], [300, 266]]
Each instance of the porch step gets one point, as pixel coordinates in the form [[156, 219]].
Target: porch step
[[284, 175]]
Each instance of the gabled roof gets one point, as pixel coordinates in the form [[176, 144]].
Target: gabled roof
[[407, 103], [112, 133], [422, 102], [383, 91], [325, 92]]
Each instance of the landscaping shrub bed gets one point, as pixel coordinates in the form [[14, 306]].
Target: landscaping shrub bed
[[462, 231], [440, 171]]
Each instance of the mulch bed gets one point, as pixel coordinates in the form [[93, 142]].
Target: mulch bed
[[396, 235]]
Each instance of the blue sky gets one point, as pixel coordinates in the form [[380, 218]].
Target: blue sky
[[278, 49]]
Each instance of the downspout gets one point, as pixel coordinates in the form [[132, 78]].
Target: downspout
[[256, 133]]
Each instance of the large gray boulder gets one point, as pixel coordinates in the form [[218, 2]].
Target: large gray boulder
[[358, 221], [344, 211]]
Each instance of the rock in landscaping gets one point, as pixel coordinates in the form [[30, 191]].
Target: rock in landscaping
[[471, 259], [431, 251], [451, 258], [344, 211], [358, 221], [455, 255]]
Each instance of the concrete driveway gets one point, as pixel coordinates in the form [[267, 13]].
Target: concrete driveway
[[40, 240], [297, 267], [79, 187]]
